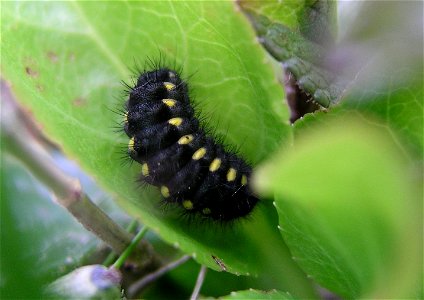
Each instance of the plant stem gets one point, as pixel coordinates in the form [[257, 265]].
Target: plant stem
[[199, 283], [112, 256], [121, 259], [136, 287]]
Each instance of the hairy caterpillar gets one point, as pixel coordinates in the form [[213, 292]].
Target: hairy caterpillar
[[189, 166]]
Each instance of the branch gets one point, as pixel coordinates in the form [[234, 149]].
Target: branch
[[138, 286], [199, 283]]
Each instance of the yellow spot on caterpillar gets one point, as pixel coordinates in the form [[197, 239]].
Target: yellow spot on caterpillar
[[215, 164], [131, 144], [199, 153], [126, 117], [145, 169], [169, 102], [231, 175], [169, 86], [187, 204], [175, 121], [206, 211], [164, 191], [243, 180], [185, 139]]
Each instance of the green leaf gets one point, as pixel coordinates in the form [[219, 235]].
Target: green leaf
[[51, 242], [16, 266], [216, 284], [65, 61], [298, 34], [40, 240], [349, 209], [303, 58], [256, 294], [399, 109], [318, 21], [385, 57]]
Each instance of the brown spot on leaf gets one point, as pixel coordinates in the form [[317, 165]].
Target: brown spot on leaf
[[52, 57], [71, 56], [31, 72], [79, 101], [39, 87]]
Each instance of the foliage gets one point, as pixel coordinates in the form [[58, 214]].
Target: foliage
[[346, 182]]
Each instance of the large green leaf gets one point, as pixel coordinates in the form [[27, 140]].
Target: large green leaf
[[65, 60], [53, 240], [40, 239], [17, 265], [349, 209]]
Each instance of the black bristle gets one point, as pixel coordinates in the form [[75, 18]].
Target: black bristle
[[178, 153]]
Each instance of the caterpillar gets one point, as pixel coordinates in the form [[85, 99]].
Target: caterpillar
[[177, 154]]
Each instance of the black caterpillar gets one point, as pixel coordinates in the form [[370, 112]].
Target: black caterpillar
[[176, 153]]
